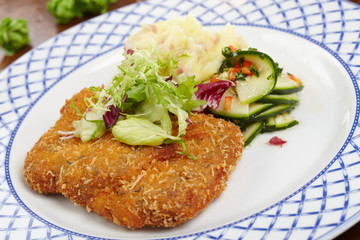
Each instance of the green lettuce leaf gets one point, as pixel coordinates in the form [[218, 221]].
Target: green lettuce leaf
[[148, 95], [138, 131]]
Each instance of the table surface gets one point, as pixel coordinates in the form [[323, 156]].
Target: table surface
[[42, 27]]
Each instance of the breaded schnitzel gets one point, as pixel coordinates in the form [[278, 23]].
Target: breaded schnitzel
[[136, 186]]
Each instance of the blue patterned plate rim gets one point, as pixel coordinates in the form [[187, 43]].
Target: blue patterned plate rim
[[332, 232]]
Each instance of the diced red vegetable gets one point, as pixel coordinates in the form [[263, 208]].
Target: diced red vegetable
[[228, 102], [295, 79], [245, 69], [232, 48], [215, 79], [246, 64], [232, 73]]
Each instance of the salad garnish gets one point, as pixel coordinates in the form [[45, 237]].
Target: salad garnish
[[212, 92], [139, 102], [261, 96]]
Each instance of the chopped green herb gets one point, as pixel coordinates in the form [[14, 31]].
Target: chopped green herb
[[226, 64], [227, 52], [240, 76], [254, 70], [241, 60], [278, 69], [72, 105], [184, 152]]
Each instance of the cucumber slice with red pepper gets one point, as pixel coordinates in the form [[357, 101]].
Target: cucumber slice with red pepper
[[238, 111], [287, 84], [263, 80], [262, 97]]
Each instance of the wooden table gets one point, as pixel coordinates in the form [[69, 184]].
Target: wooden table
[[42, 27]]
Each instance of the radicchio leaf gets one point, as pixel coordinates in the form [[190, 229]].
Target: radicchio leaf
[[169, 78], [212, 92], [111, 116], [130, 52], [277, 141]]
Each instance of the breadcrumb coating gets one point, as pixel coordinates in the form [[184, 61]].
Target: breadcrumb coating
[[136, 186]]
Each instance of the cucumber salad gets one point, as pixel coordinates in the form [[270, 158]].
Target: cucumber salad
[[261, 96], [140, 104]]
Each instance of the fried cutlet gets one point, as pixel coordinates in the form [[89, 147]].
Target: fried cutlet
[[136, 186]]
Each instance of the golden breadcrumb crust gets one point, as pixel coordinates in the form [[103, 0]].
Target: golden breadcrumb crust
[[136, 186]]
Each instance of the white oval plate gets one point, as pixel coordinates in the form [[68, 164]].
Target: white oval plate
[[304, 189]]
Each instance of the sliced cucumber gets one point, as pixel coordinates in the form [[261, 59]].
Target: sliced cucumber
[[239, 111], [273, 111], [279, 122], [256, 87], [269, 125], [280, 99], [261, 98], [252, 131], [285, 85], [256, 108], [241, 123]]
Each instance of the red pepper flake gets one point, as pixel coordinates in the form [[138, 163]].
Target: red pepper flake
[[277, 141]]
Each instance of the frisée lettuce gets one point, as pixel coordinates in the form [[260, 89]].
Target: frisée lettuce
[[143, 96]]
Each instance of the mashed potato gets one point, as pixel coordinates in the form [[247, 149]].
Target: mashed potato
[[189, 36]]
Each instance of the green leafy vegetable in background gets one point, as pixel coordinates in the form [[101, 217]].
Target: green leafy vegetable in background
[[14, 34], [65, 10], [95, 6]]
